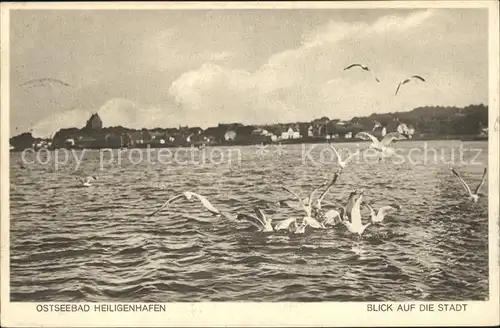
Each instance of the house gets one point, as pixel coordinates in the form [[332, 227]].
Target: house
[[157, 135], [113, 140], [135, 138], [214, 134], [195, 131], [88, 142], [275, 130], [406, 130], [230, 135], [69, 143], [291, 133]]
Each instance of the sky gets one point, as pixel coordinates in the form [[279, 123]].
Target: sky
[[165, 68]]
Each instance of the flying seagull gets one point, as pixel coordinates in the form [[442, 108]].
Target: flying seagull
[[42, 81], [343, 163], [414, 77], [473, 196], [383, 145], [363, 67], [378, 217], [189, 196]]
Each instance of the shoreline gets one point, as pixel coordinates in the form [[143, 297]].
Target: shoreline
[[468, 138]]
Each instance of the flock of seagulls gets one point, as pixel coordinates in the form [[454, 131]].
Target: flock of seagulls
[[314, 216]]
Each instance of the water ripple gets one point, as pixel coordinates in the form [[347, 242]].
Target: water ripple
[[98, 244]]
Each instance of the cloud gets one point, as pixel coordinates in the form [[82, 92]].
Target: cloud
[[68, 119], [114, 112], [172, 79], [292, 85]]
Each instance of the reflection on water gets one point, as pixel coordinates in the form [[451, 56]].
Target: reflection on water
[[95, 244]]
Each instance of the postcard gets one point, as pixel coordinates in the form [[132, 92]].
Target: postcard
[[180, 164]]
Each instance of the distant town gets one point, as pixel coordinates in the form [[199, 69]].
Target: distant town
[[466, 123]]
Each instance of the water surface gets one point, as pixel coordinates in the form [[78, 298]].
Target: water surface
[[70, 243]]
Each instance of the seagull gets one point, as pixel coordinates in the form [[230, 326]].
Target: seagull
[[42, 81], [408, 80], [306, 203], [382, 212], [363, 67], [86, 181], [260, 220], [343, 163], [298, 228], [473, 196], [355, 225], [329, 217], [189, 196], [382, 145]]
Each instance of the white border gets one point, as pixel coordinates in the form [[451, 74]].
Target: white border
[[259, 314]]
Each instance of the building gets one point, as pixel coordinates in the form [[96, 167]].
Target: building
[[214, 134], [230, 135], [94, 122], [113, 141]]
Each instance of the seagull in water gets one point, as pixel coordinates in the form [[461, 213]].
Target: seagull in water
[[86, 181], [260, 220], [363, 67], [378, 217], [306, 203], [343, 163], [414, 77], [473, 196], [382, 145], [353, 212], [294, 226], [329, 217]]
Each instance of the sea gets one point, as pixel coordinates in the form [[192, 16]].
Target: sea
[[71, 243]]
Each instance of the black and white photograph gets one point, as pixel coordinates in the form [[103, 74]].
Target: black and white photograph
[[261, 154]]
